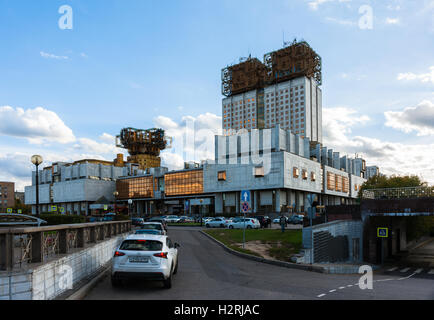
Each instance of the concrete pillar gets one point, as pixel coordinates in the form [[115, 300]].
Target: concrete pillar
[[237, 201], [218, 203], [255, 201], [37, 252], [277, 201], [6, 251], [80, 238], [63, 241]]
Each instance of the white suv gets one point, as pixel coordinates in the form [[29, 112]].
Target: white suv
[[241, 223], [146, 256]]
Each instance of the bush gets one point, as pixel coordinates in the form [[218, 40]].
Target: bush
[[120, 217], [56, 219]]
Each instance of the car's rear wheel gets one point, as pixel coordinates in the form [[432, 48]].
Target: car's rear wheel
[[249, 227], [222, 226], [176, 268], [207, 225], [168, 282], [231, 227]]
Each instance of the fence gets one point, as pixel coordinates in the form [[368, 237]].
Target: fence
[[399, 193], [20, 247]]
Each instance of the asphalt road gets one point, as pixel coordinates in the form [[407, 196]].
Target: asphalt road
[[206, 271]]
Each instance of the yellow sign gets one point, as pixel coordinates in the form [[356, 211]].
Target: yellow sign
[[9, 210], [20, 211], [382, 232], [53, 208], [105, 207], [62, 209]]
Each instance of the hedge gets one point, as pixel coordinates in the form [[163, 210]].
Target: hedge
[[56, 219]]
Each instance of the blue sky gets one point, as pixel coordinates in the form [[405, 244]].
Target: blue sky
[[152, 63]]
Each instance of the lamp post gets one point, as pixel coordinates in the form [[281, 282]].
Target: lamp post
[[37, 160], [115, 195]]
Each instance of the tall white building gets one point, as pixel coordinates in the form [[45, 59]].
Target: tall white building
[[295, 105]]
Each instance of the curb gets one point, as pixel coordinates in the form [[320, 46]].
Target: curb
[[304, 267], [422, 243], [85, 289]]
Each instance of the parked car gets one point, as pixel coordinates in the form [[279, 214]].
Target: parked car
[[295, 219], [241, 223], [145, 256], [158, 219], [265, 221], [149, 231], [171, 219], [154, 226], [185, 219], [137, 221], [216, 223]]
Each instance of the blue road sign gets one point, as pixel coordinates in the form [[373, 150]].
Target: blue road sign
[[382, 232], [245, 196]]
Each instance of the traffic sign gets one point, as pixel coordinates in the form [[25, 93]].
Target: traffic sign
[[20, 211], [245, 207], [105, 207], [53, 208], [9, 210], [245, 195], [61, 209], [382, 232]]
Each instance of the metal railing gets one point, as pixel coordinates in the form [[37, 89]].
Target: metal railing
[[22, 246], [398, 193]]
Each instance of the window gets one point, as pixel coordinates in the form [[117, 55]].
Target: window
[[304, 174], [259, 172], [222, 176], [295, 172], [312, 176]]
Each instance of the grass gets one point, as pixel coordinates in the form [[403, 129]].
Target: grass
[[283, 245]]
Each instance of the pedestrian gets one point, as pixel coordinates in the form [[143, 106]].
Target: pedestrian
[[282, 223]]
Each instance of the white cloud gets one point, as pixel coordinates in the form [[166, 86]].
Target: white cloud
[[97, 148], [193, 138], [108, 138], [423, 77], [419, 119], [52, 56], [341, 21], [314, 4], [392, 20], [391, 157], [37, 125]]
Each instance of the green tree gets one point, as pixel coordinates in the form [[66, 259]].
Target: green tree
[[24, 208]]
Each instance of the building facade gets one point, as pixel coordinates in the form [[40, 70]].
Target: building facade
[[275, 167], [162, 192], [295, 105], [7, 196], [73, 187]]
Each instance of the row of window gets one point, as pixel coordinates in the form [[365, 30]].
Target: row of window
[[336, 182]]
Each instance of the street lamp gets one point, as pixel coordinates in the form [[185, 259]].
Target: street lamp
[[115, 194], [37, 160]]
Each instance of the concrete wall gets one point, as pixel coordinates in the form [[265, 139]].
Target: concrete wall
[[351, 229], [45, 282]]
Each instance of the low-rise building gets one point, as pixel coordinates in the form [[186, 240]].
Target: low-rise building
[[73, 187]]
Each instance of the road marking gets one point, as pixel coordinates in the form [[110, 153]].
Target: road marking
[[393, 269], [407, 277], [431, 272], [349, 286], [405, 270], [341, 287], [321, 295], [333, 290], [418, 270]]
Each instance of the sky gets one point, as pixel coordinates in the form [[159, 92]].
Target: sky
[[72, 78]]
